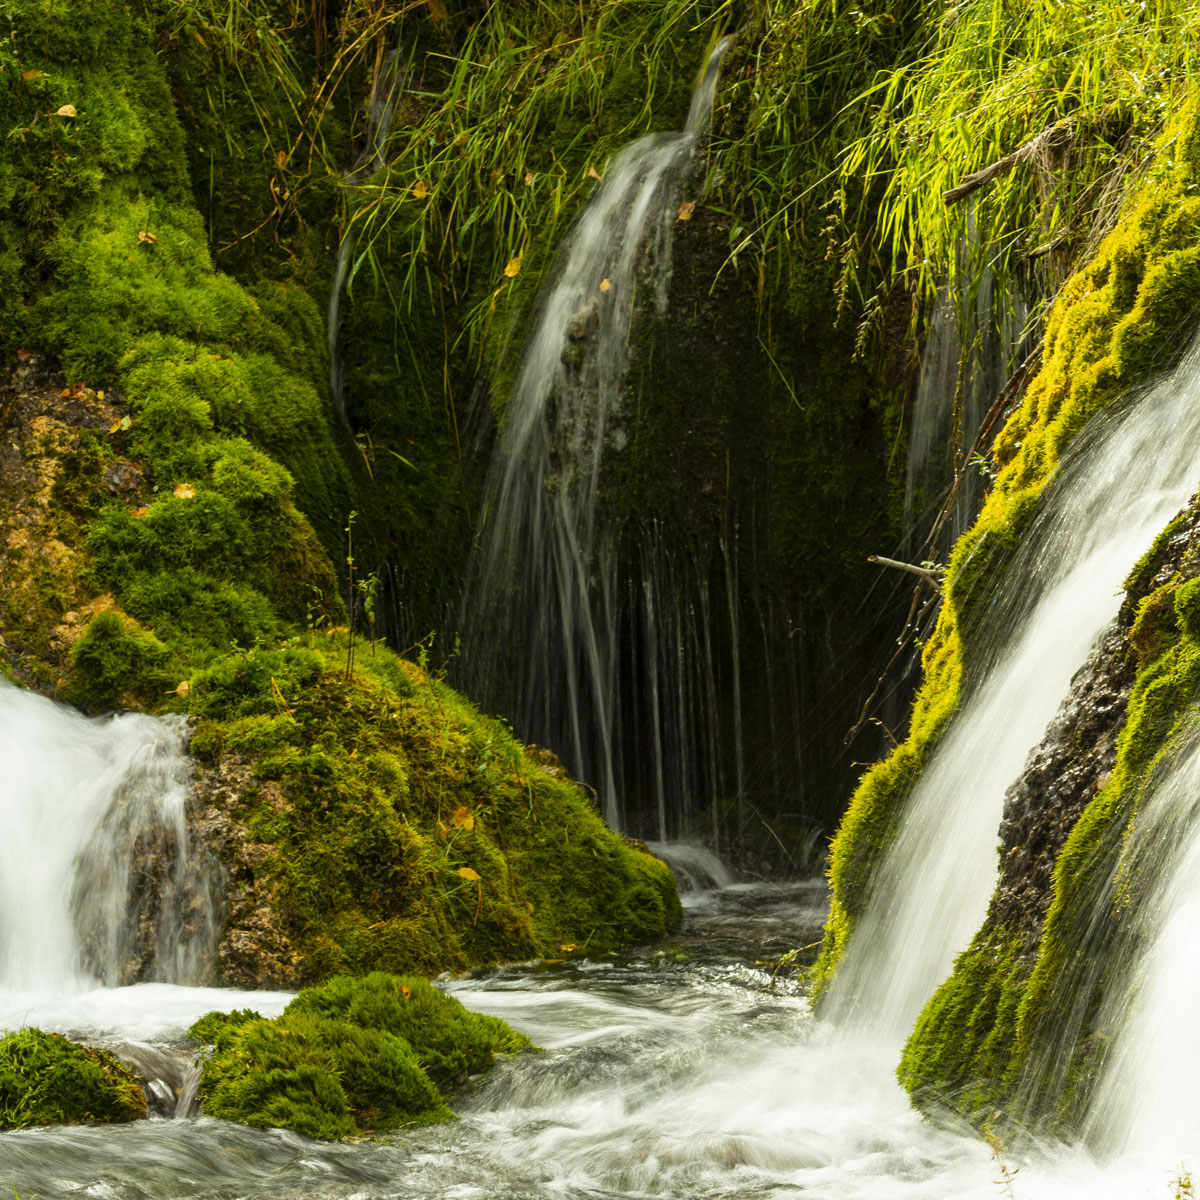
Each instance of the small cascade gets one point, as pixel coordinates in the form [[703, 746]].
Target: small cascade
[[381, 107], [97, 883], [1147, 1105], [973, 345], [543, 618], [695, 867], [1122, 482]]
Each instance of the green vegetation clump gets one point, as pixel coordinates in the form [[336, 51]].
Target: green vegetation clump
[[47, 1080], [354, 1056]]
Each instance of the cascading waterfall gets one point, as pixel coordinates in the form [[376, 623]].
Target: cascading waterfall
[[1147, 1105], [1122, 482], [542, 608], [97, 883]]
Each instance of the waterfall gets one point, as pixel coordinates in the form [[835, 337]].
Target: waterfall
[[974, 342], [1120, 484], [1147, 1103], [542, 617], [97, 884]]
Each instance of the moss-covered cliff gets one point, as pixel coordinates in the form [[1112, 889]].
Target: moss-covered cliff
[[176, 500]]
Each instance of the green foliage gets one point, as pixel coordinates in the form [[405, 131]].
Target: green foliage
[[115, 661], [450, 1041], [1097, 81], [47, 1080], [353, 1055]]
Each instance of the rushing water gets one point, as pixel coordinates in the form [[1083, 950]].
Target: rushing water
[[97, 883], [1123, 482], [683, 1071]]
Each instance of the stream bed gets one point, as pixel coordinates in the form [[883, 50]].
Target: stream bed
[[682, 1070]]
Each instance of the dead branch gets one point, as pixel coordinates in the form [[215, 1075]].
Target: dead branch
[[1046, 140]]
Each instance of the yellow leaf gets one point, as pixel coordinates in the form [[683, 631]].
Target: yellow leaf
[[606, 285], [184, 491], [67, 110], [685, 210], [146, 237], [468, 874], [127, 422], [462, 819], [594, 174], [31, 74], [281, 159], [182, 690], [406, 991], [513, 267], [115, 426], [99, 395], [140, 511], [420, 191], [529, 179]]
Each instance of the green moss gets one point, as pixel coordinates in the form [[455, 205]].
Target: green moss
[[47, 1080], [353, 1055], [115, 662], [963, 1038]]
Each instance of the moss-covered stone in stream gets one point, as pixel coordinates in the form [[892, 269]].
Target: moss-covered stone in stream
[[356, 1055], [1121, 316], [385, 823], [47, 1080]]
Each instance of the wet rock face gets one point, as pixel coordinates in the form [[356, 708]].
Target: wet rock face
[[1078, 752], [253, 949], [1061, 777]]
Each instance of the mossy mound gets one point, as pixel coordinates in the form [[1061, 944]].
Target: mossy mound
[[47, 1080], [1120, 317], [354, 1056], [385, 823]]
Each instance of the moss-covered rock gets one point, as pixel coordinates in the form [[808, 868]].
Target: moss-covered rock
[[47, 1080], [357, 1055]]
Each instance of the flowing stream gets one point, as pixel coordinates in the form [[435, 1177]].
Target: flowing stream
[[682, 1071]]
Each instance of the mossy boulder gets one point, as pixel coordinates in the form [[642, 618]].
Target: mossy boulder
[[353, 1056], [45, 1079]]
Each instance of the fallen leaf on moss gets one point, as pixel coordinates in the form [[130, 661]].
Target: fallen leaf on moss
[[468, 874], [30, 74], [146, 237], [115, 427], [513, 267], [183, 690], [685, 210], [406, 991], [462, 819], [140, 511], [67, 110], [184, 491], [420, 191]]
